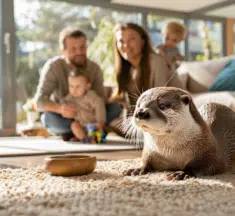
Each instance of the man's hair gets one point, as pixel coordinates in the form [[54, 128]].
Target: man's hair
[[80, 72], [175, 28], [69, 32]]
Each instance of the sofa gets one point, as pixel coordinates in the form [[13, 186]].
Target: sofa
[[197, 77]]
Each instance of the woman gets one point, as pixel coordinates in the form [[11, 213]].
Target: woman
[[137, 66]]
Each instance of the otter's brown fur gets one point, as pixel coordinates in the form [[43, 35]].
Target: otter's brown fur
[[180, 138]]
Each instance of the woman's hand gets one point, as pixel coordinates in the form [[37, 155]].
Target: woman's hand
[[68, 110]]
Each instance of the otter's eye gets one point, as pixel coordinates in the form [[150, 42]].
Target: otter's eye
[[162, 106]]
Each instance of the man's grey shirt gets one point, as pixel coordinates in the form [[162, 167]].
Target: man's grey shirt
[[53, 83]]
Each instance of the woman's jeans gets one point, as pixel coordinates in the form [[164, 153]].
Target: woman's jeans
[[56, 124]]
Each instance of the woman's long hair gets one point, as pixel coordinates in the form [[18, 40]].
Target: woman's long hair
[[122, 67]]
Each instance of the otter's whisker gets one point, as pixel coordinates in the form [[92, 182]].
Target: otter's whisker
[[137, 88], [170, 79], [132, 132], [134, 96]]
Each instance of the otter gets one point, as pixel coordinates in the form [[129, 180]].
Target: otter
[[181, 139]]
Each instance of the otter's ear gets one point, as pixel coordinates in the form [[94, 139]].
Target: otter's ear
[[185, 99]]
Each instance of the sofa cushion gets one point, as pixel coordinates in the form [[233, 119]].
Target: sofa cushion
[[201, 75], [183, 75], [225, 81], [198, 76]]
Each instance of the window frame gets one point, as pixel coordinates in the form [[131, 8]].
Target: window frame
[[7, 68]]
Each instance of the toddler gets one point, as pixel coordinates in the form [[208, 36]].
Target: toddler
[[173, 33], [90, 107]]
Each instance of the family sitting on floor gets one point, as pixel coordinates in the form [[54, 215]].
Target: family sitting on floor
[[71, 93]]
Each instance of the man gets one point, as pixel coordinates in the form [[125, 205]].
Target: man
[[53, 84]]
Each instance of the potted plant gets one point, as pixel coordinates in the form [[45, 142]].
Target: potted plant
[[31, 113]]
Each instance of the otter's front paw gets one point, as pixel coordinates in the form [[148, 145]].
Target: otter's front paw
[[138, 171], [179, 175]]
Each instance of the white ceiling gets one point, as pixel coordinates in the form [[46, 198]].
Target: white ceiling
[[228, 11], [177, 5]]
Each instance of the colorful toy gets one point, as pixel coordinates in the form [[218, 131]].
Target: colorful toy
[[94, 136]]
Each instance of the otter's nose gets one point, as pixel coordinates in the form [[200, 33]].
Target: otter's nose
[[142, 114]]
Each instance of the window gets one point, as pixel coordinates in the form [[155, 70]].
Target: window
[[205, 40], [38, 25], [155, 25]]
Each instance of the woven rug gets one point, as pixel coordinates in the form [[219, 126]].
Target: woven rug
[[106, 192]]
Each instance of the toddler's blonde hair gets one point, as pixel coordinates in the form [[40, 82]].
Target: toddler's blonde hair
[[175, 28]]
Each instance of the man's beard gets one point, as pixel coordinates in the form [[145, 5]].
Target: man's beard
[[78, 61]]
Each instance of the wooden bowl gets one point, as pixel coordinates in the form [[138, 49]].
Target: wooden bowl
[[70, 165]]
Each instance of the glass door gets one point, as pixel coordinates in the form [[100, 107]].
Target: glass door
[[38, 24]]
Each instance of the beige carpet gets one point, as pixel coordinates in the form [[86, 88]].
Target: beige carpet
[[105, 192]]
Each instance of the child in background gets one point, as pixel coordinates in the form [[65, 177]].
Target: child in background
[[90, 107], [173, 33]]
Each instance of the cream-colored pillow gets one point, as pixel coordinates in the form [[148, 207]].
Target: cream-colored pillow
[[216, 65], [182, 72], [198, 77], [201, 75]]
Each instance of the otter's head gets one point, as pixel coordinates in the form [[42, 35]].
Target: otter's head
[[163, 110]]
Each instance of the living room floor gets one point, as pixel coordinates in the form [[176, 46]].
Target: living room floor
[[35, 161], [35, 150]]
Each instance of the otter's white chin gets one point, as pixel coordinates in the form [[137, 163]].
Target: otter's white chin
[[146, 128]]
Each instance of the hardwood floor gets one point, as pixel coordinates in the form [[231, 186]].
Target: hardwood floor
[[35, 161]]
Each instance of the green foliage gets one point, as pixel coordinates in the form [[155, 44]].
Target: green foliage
[[43, 29], [101, 49], [21, 116], [42, 32], [28, 73]]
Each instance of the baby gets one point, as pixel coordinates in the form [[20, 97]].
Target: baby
[[173, 33], [90, 107]]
